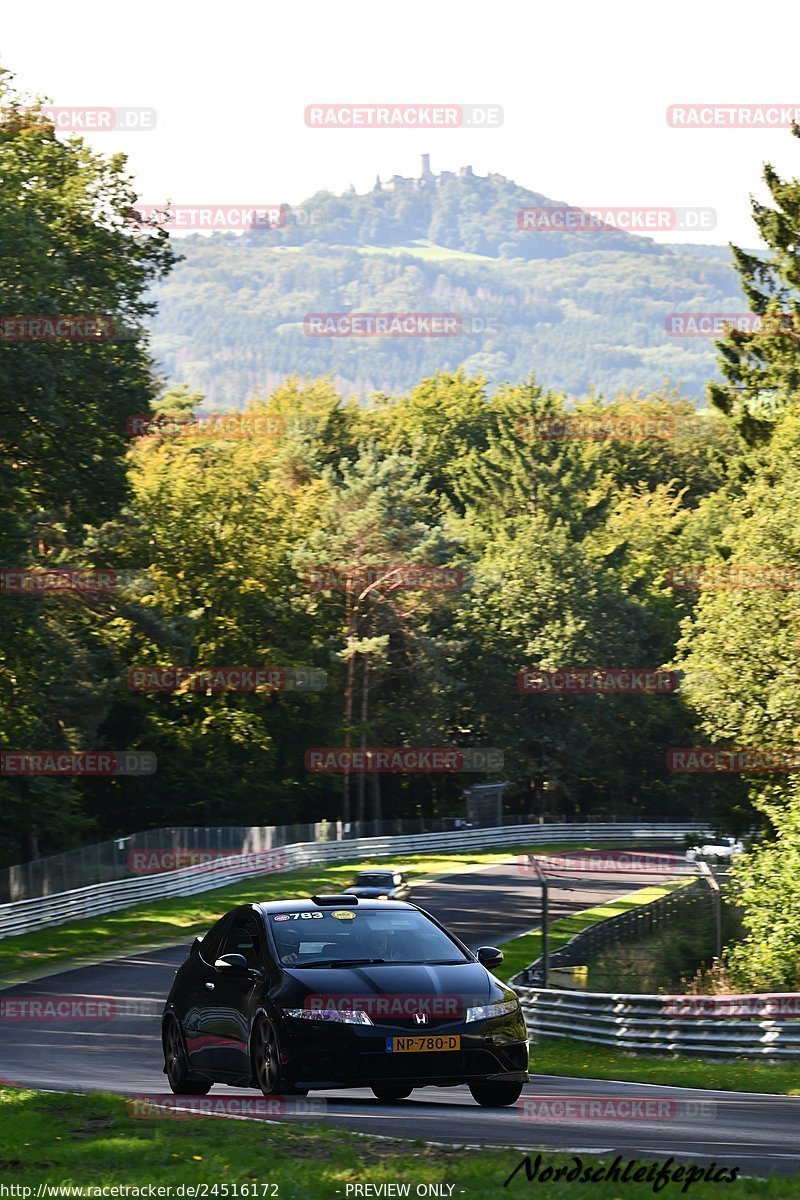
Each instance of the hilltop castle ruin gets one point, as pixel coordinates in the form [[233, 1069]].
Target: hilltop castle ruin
[[426, 179]]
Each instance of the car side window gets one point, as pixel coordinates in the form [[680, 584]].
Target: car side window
[[243, 939], [209, 947]]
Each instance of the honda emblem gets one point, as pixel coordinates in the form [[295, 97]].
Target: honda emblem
[[420, 1018]]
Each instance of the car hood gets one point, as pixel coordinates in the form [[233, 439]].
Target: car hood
[[469, 980]]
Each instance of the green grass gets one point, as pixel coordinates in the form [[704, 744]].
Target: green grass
[[522, 951], [92, 1142], [428, 251], [167, 922], [563, 1056]]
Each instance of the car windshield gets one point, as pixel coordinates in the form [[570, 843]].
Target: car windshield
[[374, 879], [349, 937]]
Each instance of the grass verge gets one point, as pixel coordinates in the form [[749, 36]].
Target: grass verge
[[522, 951], [167, 922], [583, 1060], [563, 1056], [91, 1142]]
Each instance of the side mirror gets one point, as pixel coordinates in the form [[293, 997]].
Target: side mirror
[[234, 964], [490, 956]]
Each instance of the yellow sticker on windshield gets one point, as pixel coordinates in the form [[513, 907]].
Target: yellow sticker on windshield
[[343, 914]]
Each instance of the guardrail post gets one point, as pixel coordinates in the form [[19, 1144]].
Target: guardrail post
[[542, 880], [716, 905], [545, 935]]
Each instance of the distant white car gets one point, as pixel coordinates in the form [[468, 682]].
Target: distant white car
[[723, 848]]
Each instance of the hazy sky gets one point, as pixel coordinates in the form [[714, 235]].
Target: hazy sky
[[584, 88]]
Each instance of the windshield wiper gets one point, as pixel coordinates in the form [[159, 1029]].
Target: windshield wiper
[[442, 962], [341, 962], [392, 962], [427, 962]]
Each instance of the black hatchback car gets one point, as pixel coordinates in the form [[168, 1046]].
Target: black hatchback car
[[337, 991]]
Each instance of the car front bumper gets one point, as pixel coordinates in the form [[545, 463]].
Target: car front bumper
[[340, 1055]]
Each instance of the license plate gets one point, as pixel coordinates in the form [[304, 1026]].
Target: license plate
[[424, 1044]]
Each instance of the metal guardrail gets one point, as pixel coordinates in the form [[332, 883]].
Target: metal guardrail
[[116, 858], [764, 1026], [622, 927], [758, 1025], [25, 916]]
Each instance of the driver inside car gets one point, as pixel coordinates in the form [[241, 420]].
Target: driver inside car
[[376, 945], [289, 946], [290, 943]]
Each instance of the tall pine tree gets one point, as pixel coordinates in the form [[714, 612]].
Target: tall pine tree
[[762, 367]]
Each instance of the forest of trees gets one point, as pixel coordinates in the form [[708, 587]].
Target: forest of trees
[[231, 316], [568, 548], [587, 308]]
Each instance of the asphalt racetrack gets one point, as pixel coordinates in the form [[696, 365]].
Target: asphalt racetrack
[[757, 1133]]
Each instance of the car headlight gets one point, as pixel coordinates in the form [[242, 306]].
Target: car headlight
[[345, 1016], [483, 1011]]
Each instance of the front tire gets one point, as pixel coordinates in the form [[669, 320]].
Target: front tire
[[266, 1065], [495, 1095], [176, 1064], [388, 1092]]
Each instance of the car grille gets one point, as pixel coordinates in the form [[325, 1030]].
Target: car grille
[[447, 1064], [409, 1024]]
